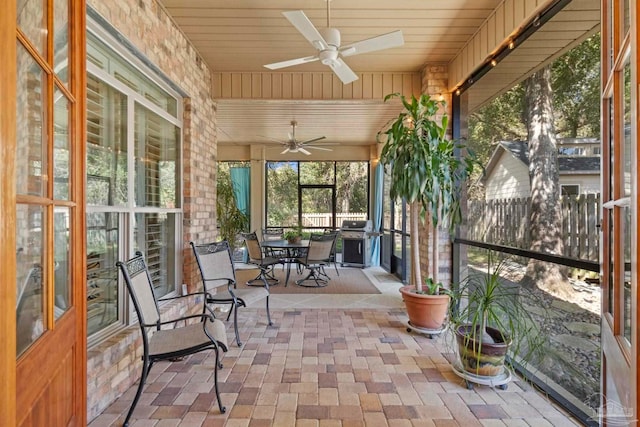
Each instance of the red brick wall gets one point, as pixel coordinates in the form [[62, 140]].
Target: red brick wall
[[114, 365]]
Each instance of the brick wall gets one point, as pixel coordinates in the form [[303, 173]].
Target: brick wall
[[434, 83], [115, 365]]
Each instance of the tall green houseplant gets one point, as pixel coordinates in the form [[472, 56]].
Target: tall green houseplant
[[425, 168], [231, 220]]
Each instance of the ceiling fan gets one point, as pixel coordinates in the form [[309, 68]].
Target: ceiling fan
[[292, 145], [327, 42]]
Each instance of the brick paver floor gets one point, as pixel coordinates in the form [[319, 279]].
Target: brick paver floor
[[329, 368]]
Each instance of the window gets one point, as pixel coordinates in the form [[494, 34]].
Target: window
[[133, 183], [571, 151], [319, 194], [570, 189]]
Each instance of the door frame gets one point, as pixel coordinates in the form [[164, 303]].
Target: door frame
[[618, 262], [29, 397], [8, 77]]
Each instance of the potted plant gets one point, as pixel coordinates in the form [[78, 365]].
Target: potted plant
[[429, 310], [293, 235], [427, 172], [491, 315]]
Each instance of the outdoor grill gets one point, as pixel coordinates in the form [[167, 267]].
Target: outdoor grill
[[356, 251]]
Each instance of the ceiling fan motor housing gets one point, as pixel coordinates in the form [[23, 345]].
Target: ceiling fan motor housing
[[331, 36]]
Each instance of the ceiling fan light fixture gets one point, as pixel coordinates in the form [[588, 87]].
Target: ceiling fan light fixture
[[328, 57]]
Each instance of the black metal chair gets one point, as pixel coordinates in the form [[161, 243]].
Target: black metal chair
[[332, 258], [264, 263], [316, 258], [269, 234], [219, 280], [168, 344]]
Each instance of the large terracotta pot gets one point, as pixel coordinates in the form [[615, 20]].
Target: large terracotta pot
[[485, 359], [425, 311]]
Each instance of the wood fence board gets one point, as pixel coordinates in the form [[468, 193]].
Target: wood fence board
[[506, 222]]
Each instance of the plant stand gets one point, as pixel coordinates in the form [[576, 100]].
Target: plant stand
[[500, 381], [431, 333]]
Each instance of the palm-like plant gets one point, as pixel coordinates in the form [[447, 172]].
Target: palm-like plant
[[487, 309], [426, 169]]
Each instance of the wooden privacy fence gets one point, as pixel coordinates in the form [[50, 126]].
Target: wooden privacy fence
[[506, 222], [324, 219]]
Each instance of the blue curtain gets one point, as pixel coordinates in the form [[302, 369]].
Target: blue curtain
[[377, 215], [241, 182]]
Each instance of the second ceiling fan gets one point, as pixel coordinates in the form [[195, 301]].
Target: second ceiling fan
[[327, 42], [292, 145]]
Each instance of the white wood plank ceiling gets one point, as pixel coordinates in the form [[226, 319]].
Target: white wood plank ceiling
[[243, 35]]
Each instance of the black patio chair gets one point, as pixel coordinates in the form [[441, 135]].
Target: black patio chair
[[264, 263], [270, 234], [181, 340], [219, 281], [332, 257], [316, 258]]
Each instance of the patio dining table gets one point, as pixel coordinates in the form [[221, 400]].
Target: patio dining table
[[291, 250]]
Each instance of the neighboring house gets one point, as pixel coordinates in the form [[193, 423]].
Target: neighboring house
[[507, 172]]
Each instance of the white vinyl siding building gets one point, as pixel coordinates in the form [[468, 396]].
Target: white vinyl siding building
[[507, 172], [509, 179]]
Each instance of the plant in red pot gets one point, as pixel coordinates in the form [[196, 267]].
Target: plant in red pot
[[427, 170], [427, 309]]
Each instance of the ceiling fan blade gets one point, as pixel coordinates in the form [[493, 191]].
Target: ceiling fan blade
[[384, 41], [291, 62], [286, 150], [308, 141], [302, 150], [343, 71], [299, 20], [315, 147]]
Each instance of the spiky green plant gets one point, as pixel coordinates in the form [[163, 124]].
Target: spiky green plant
[[488, 299]]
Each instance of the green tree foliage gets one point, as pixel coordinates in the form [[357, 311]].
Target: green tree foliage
[[282, 194], [500, 120], [352, 192], [575, 84], [351, 184], [575, 79]]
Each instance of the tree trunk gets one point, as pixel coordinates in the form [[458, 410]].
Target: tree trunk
[[545, 218], [414, 216]]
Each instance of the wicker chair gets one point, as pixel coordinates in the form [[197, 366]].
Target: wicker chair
[[219, 280], [181, 340]]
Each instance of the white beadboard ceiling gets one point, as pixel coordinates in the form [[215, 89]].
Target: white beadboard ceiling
[[243, 35]]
